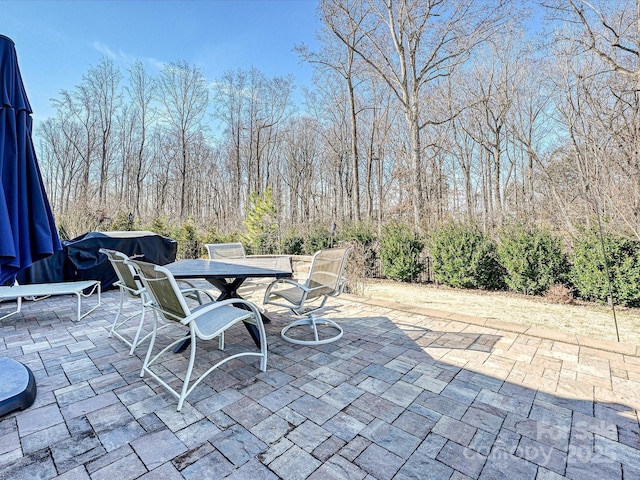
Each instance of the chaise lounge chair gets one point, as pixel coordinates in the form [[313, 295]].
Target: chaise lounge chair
[[40, 291]]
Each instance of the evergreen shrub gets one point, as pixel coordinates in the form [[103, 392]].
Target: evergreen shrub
[[189, 244], [400, 252], [262, 227], [589, 275], [363, 238], [293, 244], [319, 238], [160, 225], [532, 258], [463, 257], [121, 222]]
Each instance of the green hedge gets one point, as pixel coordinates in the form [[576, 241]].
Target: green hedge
[[532, 258], [400, 251], [293, 244], [318, 238], [190, 244], [588, 272], [463, 257], [363, 238], [523, 258]]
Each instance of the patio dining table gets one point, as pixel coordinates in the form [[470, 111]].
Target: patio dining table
[[228, 276]]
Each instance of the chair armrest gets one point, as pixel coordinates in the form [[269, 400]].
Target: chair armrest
[[285, 281], [215, 305], [181, 280], [194, 290], [288, 281], [341, 284]]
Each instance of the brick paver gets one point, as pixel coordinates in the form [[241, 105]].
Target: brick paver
[[406, 393]]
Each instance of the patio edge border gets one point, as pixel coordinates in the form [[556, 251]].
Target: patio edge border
[[521, 329]]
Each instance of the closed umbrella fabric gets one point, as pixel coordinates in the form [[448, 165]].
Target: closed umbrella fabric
[[27, 229]]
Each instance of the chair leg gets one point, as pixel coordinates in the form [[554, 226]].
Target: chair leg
[[263, 344], [263, 351], [314, 328], [134, 344], [145, 364], [17, 310], [115, 321], [192, 358], [121, 319]]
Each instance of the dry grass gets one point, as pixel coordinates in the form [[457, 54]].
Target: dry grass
[[578, 318]]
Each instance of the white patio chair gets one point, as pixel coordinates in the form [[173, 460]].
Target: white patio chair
[[205, 322], [222, 251], [325, 280], [131, 287]]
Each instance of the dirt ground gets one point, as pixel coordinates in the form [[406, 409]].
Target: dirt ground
[[582, 318]]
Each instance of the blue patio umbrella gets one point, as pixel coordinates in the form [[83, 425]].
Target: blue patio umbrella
[[27, 229]]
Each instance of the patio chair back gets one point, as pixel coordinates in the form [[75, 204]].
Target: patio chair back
[[326, 272], [163, 289], [124, 272], [220, 251]]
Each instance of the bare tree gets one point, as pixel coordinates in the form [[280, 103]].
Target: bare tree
[[102, 83], [229, 107], [328, 105], [411, 44], [123, 152], [269, 102], [185, 97], [301, 159], [599, 53], [142, 90], [534, 127], [252, 107], [377, 123], [490, 87], [63, 163], [341, 59], [78, 124]]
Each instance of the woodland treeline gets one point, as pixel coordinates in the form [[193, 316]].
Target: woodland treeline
[[421, 111]]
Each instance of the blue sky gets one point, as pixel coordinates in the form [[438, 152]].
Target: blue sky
[[58, 41]]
